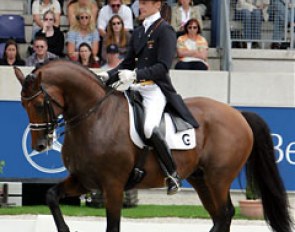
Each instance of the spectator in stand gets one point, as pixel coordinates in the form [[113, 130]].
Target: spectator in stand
[[55, 38], [86, 57], [113, 57], [75, 5], [83, 30], [192, 48], [116, 34], [181, 13], [252, 13], [112, 8], [41, 54], [11, 54], [39, 7]]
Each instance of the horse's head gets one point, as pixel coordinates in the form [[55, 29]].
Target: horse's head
[[42, 109]]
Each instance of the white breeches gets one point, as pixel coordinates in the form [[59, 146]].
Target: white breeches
[[154, 102]]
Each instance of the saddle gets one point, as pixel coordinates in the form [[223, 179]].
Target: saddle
[[178, 133]]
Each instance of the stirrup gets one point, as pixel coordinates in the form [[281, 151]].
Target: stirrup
[[173, 185]]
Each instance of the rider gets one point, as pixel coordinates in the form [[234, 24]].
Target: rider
[[150, 54]]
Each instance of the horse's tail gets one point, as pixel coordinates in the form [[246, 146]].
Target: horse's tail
[[262, 166]]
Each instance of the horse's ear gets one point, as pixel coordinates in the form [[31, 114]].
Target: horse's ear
[[20, 76]]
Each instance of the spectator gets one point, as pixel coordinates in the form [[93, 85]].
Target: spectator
[[39, 7], [278, 11], [41, 54], [116, 34], [252, 13], [83, 30], [86, 57], [112, 8], [192, 48], [181, 13], [112, 57], [75, 5], [11, 54], [55, 38], [204, 7]]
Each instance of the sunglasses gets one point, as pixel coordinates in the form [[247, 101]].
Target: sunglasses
[[48, 19], [192, 27], [83, 17], [116, 23], [115, 5], [39, 46]]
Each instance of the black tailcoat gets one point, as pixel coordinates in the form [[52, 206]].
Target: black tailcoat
[[151, 54]]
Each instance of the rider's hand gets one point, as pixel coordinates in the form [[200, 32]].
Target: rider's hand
[[104, 76], [127, 76]]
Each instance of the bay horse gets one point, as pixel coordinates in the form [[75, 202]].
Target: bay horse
[[99, 154]]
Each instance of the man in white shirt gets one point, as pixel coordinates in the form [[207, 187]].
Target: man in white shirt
[[112, 8]]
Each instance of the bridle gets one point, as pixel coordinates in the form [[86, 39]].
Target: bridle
[[53, 122], [52, 119]]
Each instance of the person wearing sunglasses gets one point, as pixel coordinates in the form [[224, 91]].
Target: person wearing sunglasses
[[55, 38], [75, 5], [192, 48], [39, 7], [145, 68], [116, 34], [83, 31], [114, 7], [41, 54]]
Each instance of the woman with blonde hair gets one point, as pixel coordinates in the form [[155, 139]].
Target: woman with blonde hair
[[83, 30], [116, 34], [75, 5]]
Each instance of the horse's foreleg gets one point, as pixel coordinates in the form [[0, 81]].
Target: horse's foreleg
[[216, 201], [113, 202], [69, 187]]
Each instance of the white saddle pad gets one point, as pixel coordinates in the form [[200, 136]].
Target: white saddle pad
[[183, 140]]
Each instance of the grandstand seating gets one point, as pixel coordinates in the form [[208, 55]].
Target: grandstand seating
[[12, 26]]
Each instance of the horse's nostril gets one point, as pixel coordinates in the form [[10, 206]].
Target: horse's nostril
[[41, 147]]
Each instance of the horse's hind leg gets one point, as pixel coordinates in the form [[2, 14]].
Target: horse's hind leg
[[69, 187], [216, 200]]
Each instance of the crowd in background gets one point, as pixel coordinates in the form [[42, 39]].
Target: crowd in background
[[99, 32]]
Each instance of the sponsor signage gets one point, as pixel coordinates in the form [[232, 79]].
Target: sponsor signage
[[24, 164]]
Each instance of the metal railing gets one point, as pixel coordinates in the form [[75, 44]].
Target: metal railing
[[262, 27]]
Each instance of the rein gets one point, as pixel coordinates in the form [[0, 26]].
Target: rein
[[53, 121]]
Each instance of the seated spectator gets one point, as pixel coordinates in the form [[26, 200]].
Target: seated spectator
[[116, 34], [39, 7], [55, 38], [83, 30], [113, 59], [252, 13], [11, 54], [75, 5], [112, 8], [41, 54], [86, 57], [181, 13], [192, 48]]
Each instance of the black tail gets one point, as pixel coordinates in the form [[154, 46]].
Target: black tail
[[262, 166]]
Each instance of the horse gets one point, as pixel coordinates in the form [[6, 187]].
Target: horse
[[99, 154]]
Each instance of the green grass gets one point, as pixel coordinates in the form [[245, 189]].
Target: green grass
[[141, 211]]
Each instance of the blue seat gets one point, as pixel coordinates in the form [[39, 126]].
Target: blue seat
[[2, 46], [12, 27]]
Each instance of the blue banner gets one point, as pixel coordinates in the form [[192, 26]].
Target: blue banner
[[21, 163]]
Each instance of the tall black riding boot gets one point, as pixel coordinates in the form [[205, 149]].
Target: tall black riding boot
[[164, 154]]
